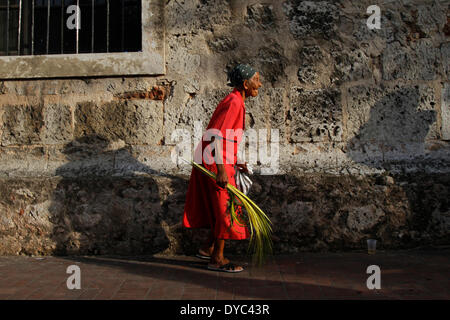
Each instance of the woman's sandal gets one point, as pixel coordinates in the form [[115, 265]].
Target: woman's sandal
[[229, 267], [201, 254]]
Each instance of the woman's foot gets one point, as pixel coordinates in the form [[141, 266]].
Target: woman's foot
[[204, 254], [207, 250], [229, 267], [218, 261], [223, 264]]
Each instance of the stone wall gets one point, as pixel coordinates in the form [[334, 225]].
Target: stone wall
[[363, 117]]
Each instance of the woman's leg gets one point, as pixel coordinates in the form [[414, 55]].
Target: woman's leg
[[217, 254], [218, 260], [208, 246]]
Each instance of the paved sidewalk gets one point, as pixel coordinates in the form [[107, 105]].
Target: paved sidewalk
[[407, 274]]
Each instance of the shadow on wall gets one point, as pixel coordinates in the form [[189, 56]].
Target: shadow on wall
[[322, 212], [109, 203], [106, 204], [414, 207], [396, 122]]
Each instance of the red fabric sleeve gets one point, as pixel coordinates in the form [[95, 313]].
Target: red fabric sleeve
[[229, 116]]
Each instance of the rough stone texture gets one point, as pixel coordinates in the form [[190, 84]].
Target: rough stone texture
[[316, 115], [392, 115], [87, 215], [271, 62], [314, 63], [260, 16], [446, 112], [86, 164], [23, 160], [311, 18], [57, 124], [277, 112], [134, 121], [445, 52], [141, 214], [196, 108], [223, 43], [22, 125], [422, 58], [351, 65]]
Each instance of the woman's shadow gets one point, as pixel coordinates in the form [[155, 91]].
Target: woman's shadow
[[107, 202], [394, 140]]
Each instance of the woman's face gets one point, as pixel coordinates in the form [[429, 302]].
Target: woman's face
[[252, 85]]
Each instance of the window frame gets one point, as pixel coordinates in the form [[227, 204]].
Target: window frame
[[149, 61]]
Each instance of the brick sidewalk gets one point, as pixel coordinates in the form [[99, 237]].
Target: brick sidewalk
[[413, 274]]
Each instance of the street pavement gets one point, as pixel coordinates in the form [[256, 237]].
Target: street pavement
[[404, 274]]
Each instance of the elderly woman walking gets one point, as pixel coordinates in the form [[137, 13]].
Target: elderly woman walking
[[207, 199]]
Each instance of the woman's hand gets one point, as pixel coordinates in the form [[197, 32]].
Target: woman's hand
[[242, 167], [222, 177]]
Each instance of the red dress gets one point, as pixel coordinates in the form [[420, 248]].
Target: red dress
[[206, 202]]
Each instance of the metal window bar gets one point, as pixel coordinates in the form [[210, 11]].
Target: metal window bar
[[123, 26], [19, 29], [7, 27], [107, 25], [62, 26], [48, 26], [92, 26], [77, 26], [32, 27], [33, 14]]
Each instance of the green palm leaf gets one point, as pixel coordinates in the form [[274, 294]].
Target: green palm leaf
[[257, 221]]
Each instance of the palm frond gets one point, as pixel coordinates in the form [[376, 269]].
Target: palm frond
[[257, 221]]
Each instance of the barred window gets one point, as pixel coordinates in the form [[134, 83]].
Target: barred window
[[43, 27]]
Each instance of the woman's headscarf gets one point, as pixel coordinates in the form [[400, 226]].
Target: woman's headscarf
[[238, 74]]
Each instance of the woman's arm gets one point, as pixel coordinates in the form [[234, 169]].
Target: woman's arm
[[222, 177]]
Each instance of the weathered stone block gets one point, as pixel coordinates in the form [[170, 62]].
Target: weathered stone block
[[23, 160], [260, 16], [311, 19], [425, 19], [351, 65], [197, 109], [348, 65], [302, 213], [420, 61], [85, 156], [277, 112], [223, 44], [183, 61], [392, 115], [445, 111], [315, 115], [256, 111], [58, 124], [271, 63], [135, 121], [155, 93], [445, 53], [94, 156], [364, 218], [22, 124], [313, 60], [145, 159], [192, 16], [141, 215], [191, 86]]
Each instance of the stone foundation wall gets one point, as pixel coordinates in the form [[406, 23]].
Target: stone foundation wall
[[363, 117], [141, 215]]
